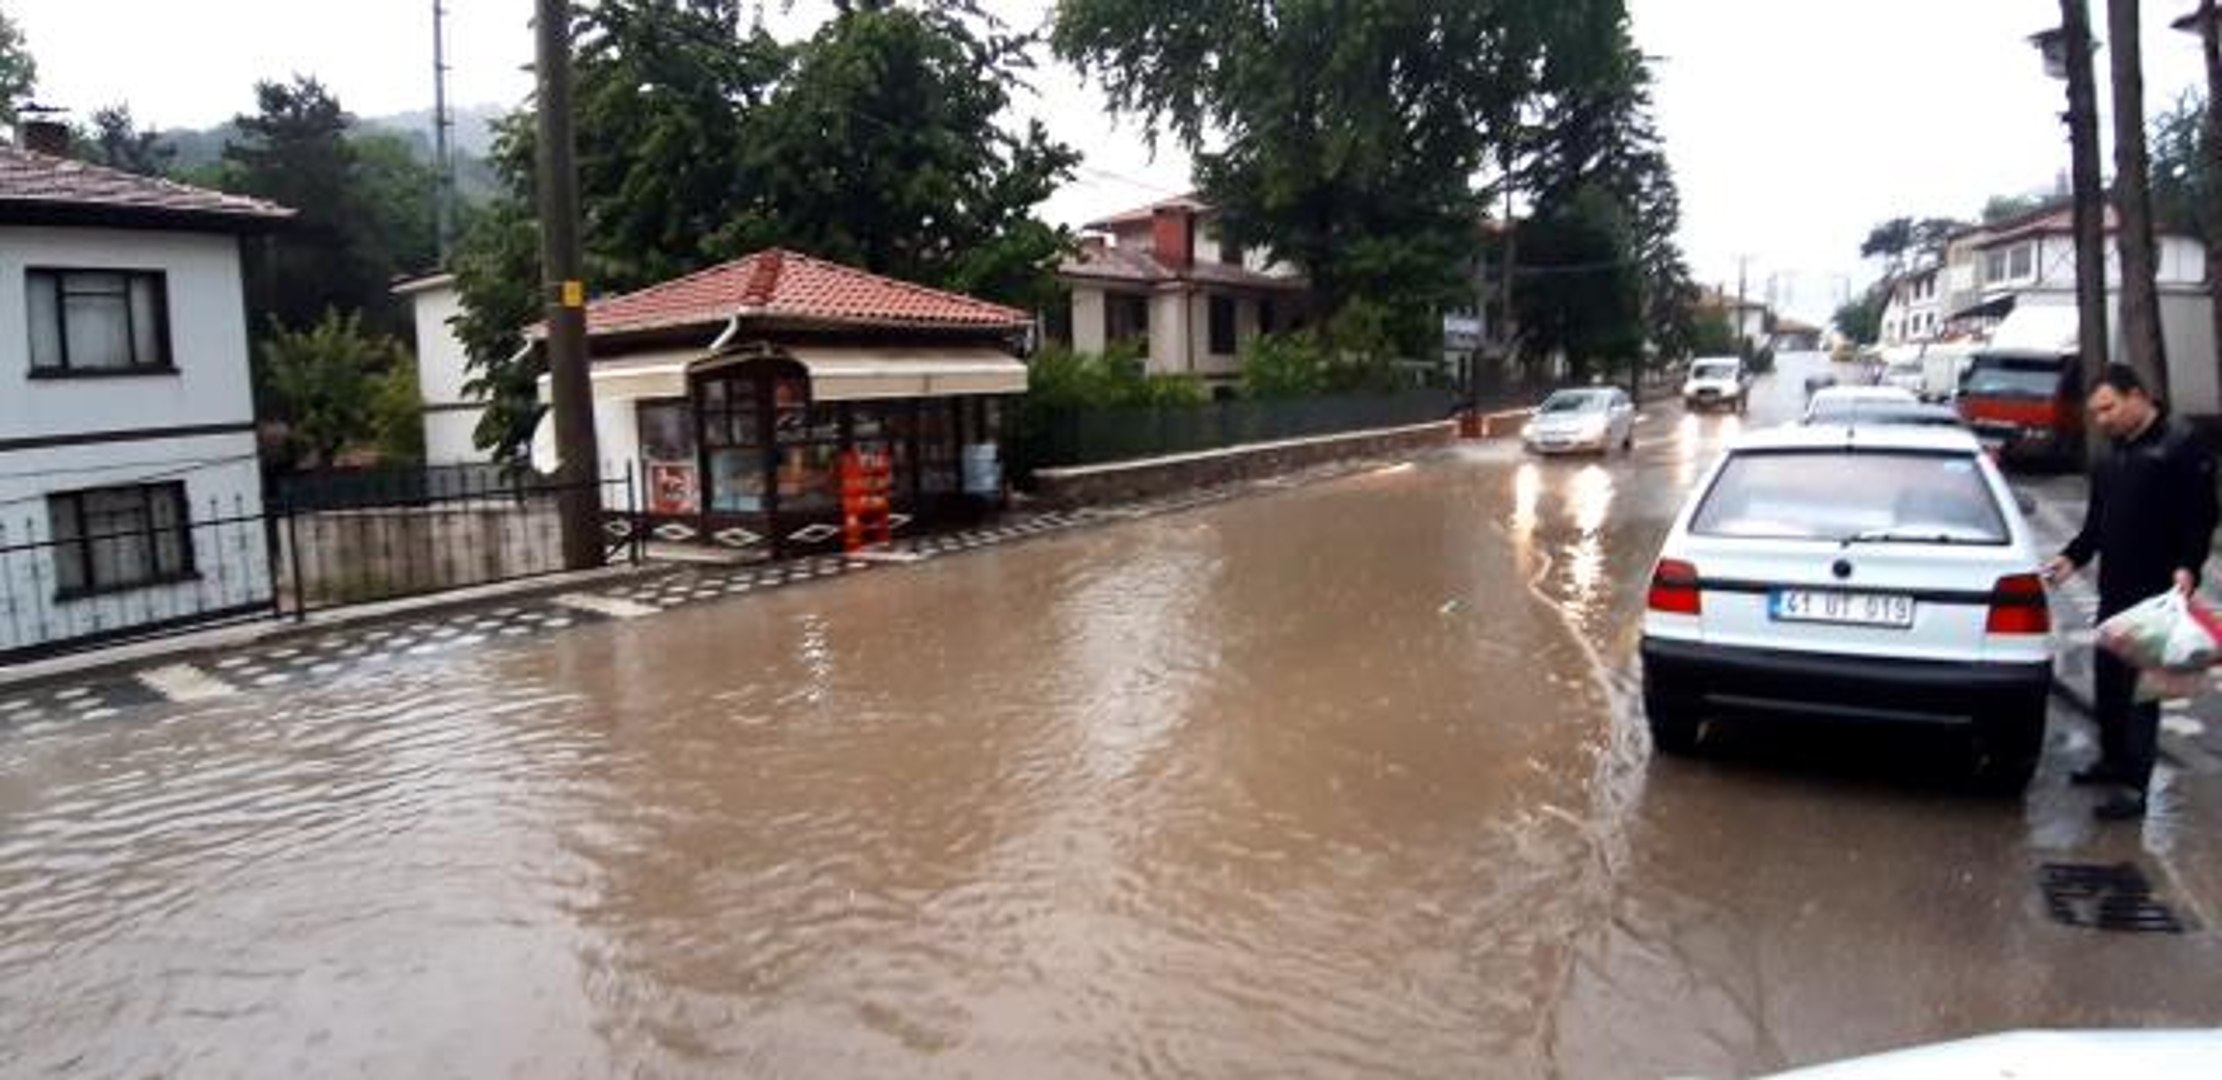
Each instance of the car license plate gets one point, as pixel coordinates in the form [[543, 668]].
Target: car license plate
[[1842, 608]]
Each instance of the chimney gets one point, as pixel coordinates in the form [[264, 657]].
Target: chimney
[[1173, 235], [43, 136]]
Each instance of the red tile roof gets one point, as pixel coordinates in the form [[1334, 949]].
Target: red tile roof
[[785, 286], [40, 187], [1142, 268], [1143, 215]]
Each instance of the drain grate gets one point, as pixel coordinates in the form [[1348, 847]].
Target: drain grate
[[2116, 897]]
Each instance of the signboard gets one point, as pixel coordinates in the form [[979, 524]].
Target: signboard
[[672, 488], [1462, 331]]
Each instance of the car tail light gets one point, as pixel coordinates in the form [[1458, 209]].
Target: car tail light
[[1674, 588], [2018, 606]]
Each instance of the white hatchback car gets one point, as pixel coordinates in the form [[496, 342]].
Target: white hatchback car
[[1594, 418], [1839, 574]]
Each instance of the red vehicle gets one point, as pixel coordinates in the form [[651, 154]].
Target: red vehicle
[[2026, 407]]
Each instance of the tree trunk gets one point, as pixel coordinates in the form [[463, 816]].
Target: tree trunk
[[2141, 344], [2210, 42], [2090, 221]]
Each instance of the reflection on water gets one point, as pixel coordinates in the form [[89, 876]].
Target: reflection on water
[[1589, 503], [1253, 790], [1527, 490]]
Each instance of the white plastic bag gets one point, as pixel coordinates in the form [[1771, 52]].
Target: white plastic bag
[[2169, 631]]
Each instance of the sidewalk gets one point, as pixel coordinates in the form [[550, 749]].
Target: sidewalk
[[2191, 731], [241, 659]]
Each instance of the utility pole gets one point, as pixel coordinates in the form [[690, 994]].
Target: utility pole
[[2141, 341], [1736, 321], [2207, 23], [578, 469], [443, 168], [2067, 53], [1511, 332]]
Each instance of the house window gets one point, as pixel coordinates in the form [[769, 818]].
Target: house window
[[1230, 252], [1994, 266], [98, 322], [113, 538], [2023, 261], [1222, 326], [1126, 320], [1266, 319]]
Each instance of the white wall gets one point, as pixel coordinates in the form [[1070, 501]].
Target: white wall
[[222, 480], [222, 476], [1087, 319], [1170, 333], [208, 335], [443, 367]]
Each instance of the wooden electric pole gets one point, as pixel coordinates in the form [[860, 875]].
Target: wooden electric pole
[[2142, 347], [2068, 51], [578, 468]]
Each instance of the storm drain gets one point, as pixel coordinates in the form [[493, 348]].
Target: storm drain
[[2113, 897]]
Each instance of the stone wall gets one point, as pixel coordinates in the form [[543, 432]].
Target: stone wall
[[1124, 481]]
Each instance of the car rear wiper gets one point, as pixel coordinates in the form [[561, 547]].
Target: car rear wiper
[[1906, 536]]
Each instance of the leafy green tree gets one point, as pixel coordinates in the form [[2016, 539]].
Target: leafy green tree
[[348, 240], [1861, 318], [879, 141], [1712, 335], [19, 73], [2002, 207], [118, 143], [1600, 178], [1341, 137], [2183, 171], [885, 148], [1581, 294], [323, 385]]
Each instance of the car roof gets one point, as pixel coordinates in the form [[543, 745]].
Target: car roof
[[1865, 394], [1826, 436]]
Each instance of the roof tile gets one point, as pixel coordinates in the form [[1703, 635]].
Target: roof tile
[[777, 284], [29, 179]]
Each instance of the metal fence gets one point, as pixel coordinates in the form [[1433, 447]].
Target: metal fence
[[354, 546], [344, 543], [1053, 437]]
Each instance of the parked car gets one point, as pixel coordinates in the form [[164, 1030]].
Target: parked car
[[1716, 382], [1905, 371], [2026, 407], [1824, 574], [1843, 405], [1594, 418]]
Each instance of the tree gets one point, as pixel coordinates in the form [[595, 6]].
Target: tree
[[294, 152], [118, 143], [883, 148], [329, 386], [2140, 296], [1861, 319], [2003, 207], [878, 141], [1903, 242], [1581, 296], [1342, 139], [19, 73]]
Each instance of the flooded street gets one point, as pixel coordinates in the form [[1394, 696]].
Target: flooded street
[[1347, 779]]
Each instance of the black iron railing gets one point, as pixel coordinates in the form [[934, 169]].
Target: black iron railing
[[344, 542]]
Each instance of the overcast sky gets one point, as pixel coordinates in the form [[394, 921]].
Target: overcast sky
[[1793, 125]]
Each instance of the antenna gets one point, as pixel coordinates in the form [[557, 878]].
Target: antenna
[[443, 169]]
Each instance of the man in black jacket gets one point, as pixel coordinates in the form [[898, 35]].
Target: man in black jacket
[[2150, 521]]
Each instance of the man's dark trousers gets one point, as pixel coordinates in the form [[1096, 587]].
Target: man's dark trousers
[[2129, 731]]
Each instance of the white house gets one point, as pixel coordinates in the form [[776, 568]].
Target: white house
[[1917, 308], [130, 489], [1164, 280], [450, 414]]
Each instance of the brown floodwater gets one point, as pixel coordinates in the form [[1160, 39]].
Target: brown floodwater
[[1342, 779]]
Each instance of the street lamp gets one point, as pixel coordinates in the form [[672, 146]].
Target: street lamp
[[2066, 50]]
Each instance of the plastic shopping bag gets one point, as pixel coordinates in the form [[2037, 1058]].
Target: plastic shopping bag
[[2163, 684], [2170, 632]]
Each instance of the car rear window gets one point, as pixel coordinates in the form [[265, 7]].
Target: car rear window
[[1871, 496], [2006, 378], [1713, 371]]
